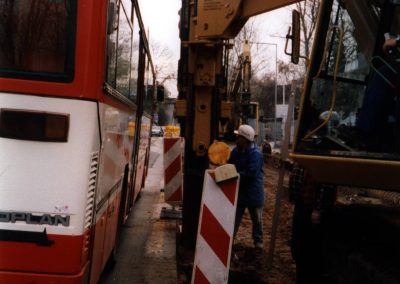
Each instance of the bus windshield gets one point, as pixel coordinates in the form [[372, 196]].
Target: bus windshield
[[37, 39]]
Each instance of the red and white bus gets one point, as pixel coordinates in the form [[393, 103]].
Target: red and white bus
[[75, 120]]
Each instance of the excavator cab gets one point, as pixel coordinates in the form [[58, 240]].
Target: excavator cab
[[349, 122]]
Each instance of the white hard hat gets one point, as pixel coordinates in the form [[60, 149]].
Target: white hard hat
[[246, 131]]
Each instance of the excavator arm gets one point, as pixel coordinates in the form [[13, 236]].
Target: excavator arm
[[225, 18]]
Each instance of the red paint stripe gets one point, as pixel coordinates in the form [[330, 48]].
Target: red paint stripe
[[177, 195], [172, 169], [169, 143], [199, 277], [227, 187], [64, 256], [215, 235]]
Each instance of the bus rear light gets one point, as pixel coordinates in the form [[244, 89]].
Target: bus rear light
[[34, 125]]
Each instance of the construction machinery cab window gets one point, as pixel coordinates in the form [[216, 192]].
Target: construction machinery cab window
[[352, 106]]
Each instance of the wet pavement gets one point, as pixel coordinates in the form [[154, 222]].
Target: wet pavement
[[147, 250]]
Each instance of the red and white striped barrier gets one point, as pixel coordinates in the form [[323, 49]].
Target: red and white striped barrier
[[215, 230], [173, 189]]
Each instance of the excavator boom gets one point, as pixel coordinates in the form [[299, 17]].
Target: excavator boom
[[225, 18]]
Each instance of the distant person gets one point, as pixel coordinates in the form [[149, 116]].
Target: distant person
[[266, 146], [247, 158]]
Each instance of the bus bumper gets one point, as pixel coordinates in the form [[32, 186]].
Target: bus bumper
[[10, 277]]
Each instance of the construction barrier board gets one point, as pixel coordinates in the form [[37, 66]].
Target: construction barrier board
[[215, 230], [173, 177]]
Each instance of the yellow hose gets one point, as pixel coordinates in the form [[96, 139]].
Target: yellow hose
[[336, 70]]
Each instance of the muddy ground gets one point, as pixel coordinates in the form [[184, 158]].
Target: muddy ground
[[249, 265]]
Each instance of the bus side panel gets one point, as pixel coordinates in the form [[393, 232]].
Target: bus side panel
[[141, 164], [98, 245], [116, 149], [116, 153], [105, 233], [112, 223]]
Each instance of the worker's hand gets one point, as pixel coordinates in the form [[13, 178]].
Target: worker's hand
[[389, 45]]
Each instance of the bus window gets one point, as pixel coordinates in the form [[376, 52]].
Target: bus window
[[36, 39], [124, 52], [149, 96], [112, 51], [135, 59]]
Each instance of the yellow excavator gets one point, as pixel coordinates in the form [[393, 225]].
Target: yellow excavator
[[244, 110], [205, 28], [346, 62], [348, 136]]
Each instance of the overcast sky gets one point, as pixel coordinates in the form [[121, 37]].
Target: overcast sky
[[161, 18]]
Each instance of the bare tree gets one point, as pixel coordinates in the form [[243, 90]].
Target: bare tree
[[308, 17], [261, 62], [162, 57]]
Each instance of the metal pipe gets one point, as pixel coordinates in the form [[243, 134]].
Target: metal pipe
[[276, 84]]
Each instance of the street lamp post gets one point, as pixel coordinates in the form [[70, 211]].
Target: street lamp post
[[276, 83]]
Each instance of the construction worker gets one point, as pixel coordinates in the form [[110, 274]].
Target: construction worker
[[248, 160]]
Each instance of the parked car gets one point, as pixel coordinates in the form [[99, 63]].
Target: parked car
[[157, 130]]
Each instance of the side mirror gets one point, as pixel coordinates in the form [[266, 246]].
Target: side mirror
[[295, 37]]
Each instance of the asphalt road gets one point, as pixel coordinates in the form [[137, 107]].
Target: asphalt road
[[147, 250]]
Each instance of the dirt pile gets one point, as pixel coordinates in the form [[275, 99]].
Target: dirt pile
[[250, 264]]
